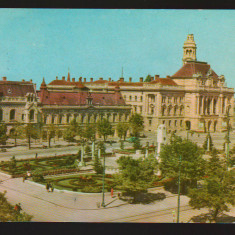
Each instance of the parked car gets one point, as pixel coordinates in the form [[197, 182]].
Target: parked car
[[132, 139]]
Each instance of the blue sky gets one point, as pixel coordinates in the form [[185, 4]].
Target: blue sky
[[37, 43]]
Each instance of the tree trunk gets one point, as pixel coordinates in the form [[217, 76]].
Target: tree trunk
[[215, 214], [49, 142]]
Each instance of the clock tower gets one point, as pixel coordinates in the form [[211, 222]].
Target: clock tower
[[189, 49]]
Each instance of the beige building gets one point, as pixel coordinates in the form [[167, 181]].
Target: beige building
[[194, 98]]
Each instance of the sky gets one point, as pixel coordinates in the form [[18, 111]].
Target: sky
[[37, 43]]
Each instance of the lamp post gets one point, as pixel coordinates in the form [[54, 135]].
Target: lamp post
[[178, 214], [227, 140], [103, 203]]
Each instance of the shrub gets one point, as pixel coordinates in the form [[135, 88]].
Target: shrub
[[91, 189], [38, 176]]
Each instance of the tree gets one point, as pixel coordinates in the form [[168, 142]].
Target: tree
[[104, 128], [122, 129], [192, 164], [218, 191], [136, 175], [136, 123], [98, 168], [52, 129], [71, 131], [89, 132], [16, 131], [148, 78], [30, 132], [7, 212], [3, 134]]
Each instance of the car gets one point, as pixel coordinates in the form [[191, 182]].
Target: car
[[132, 139]]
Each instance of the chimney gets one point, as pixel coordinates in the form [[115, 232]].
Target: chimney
[[91, 79], [80, 79], [63, 78], [56, 78], [101, 79], [167, 76], [141, 79], [121, 79], [73, 79], [84, 79], [31, 80], [4, 78], [156, 77], [130, 79], [109, 79], [23, 80], [151, 79]]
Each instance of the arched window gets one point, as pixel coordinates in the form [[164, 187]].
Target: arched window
[[31, 115], [53, 119], [12, 114], [60, 119], [68, 117], [1, 114]]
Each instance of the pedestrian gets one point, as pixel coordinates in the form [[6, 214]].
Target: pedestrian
[[119, 195], [52, 188], [36, 155], [47, 187], [111, 192]]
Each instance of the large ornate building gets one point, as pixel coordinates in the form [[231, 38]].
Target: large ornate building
[[194, 98]]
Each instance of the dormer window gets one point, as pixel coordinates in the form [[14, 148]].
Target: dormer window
[[9, 91]]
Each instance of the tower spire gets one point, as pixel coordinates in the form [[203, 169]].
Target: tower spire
[[43, 85], [68, 78]]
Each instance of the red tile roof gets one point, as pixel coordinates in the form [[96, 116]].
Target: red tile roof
[[193, 67], [79, 98], [63, 82], [164, 81], [16, 89], [125, 83]]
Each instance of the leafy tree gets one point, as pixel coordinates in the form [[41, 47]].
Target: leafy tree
[[89, 132], [7, 212], [52, 129], [192, 164], [122, 129], [98, 168], [71, 131], [121, 144], [30, 132], [3, 134], [136, 144], [104, 128], [16, 132], [136, 123], [217, 192], [136, 175], [148, 78], [12, 164]]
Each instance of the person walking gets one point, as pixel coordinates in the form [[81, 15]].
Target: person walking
[[47, 187], [112, 192]]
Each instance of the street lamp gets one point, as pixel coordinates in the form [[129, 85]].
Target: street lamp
[[178, 214], [227, 139], [103, 203]]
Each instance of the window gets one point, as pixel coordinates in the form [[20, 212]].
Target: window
[[135, 108], [163, 122], [175, 123], [141, 98], [68, 116], [150, 122], [45, 120], [135, 98], [12, 114], [53, 119], [124, 97], [130, 97], [22, 117], [181, 123], [163, 99], [140, 109], [114, 117], [31, 115], [175, 99], [169, 122]]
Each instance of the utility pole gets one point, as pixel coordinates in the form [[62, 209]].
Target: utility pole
[[103, 203], [178, 214]]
